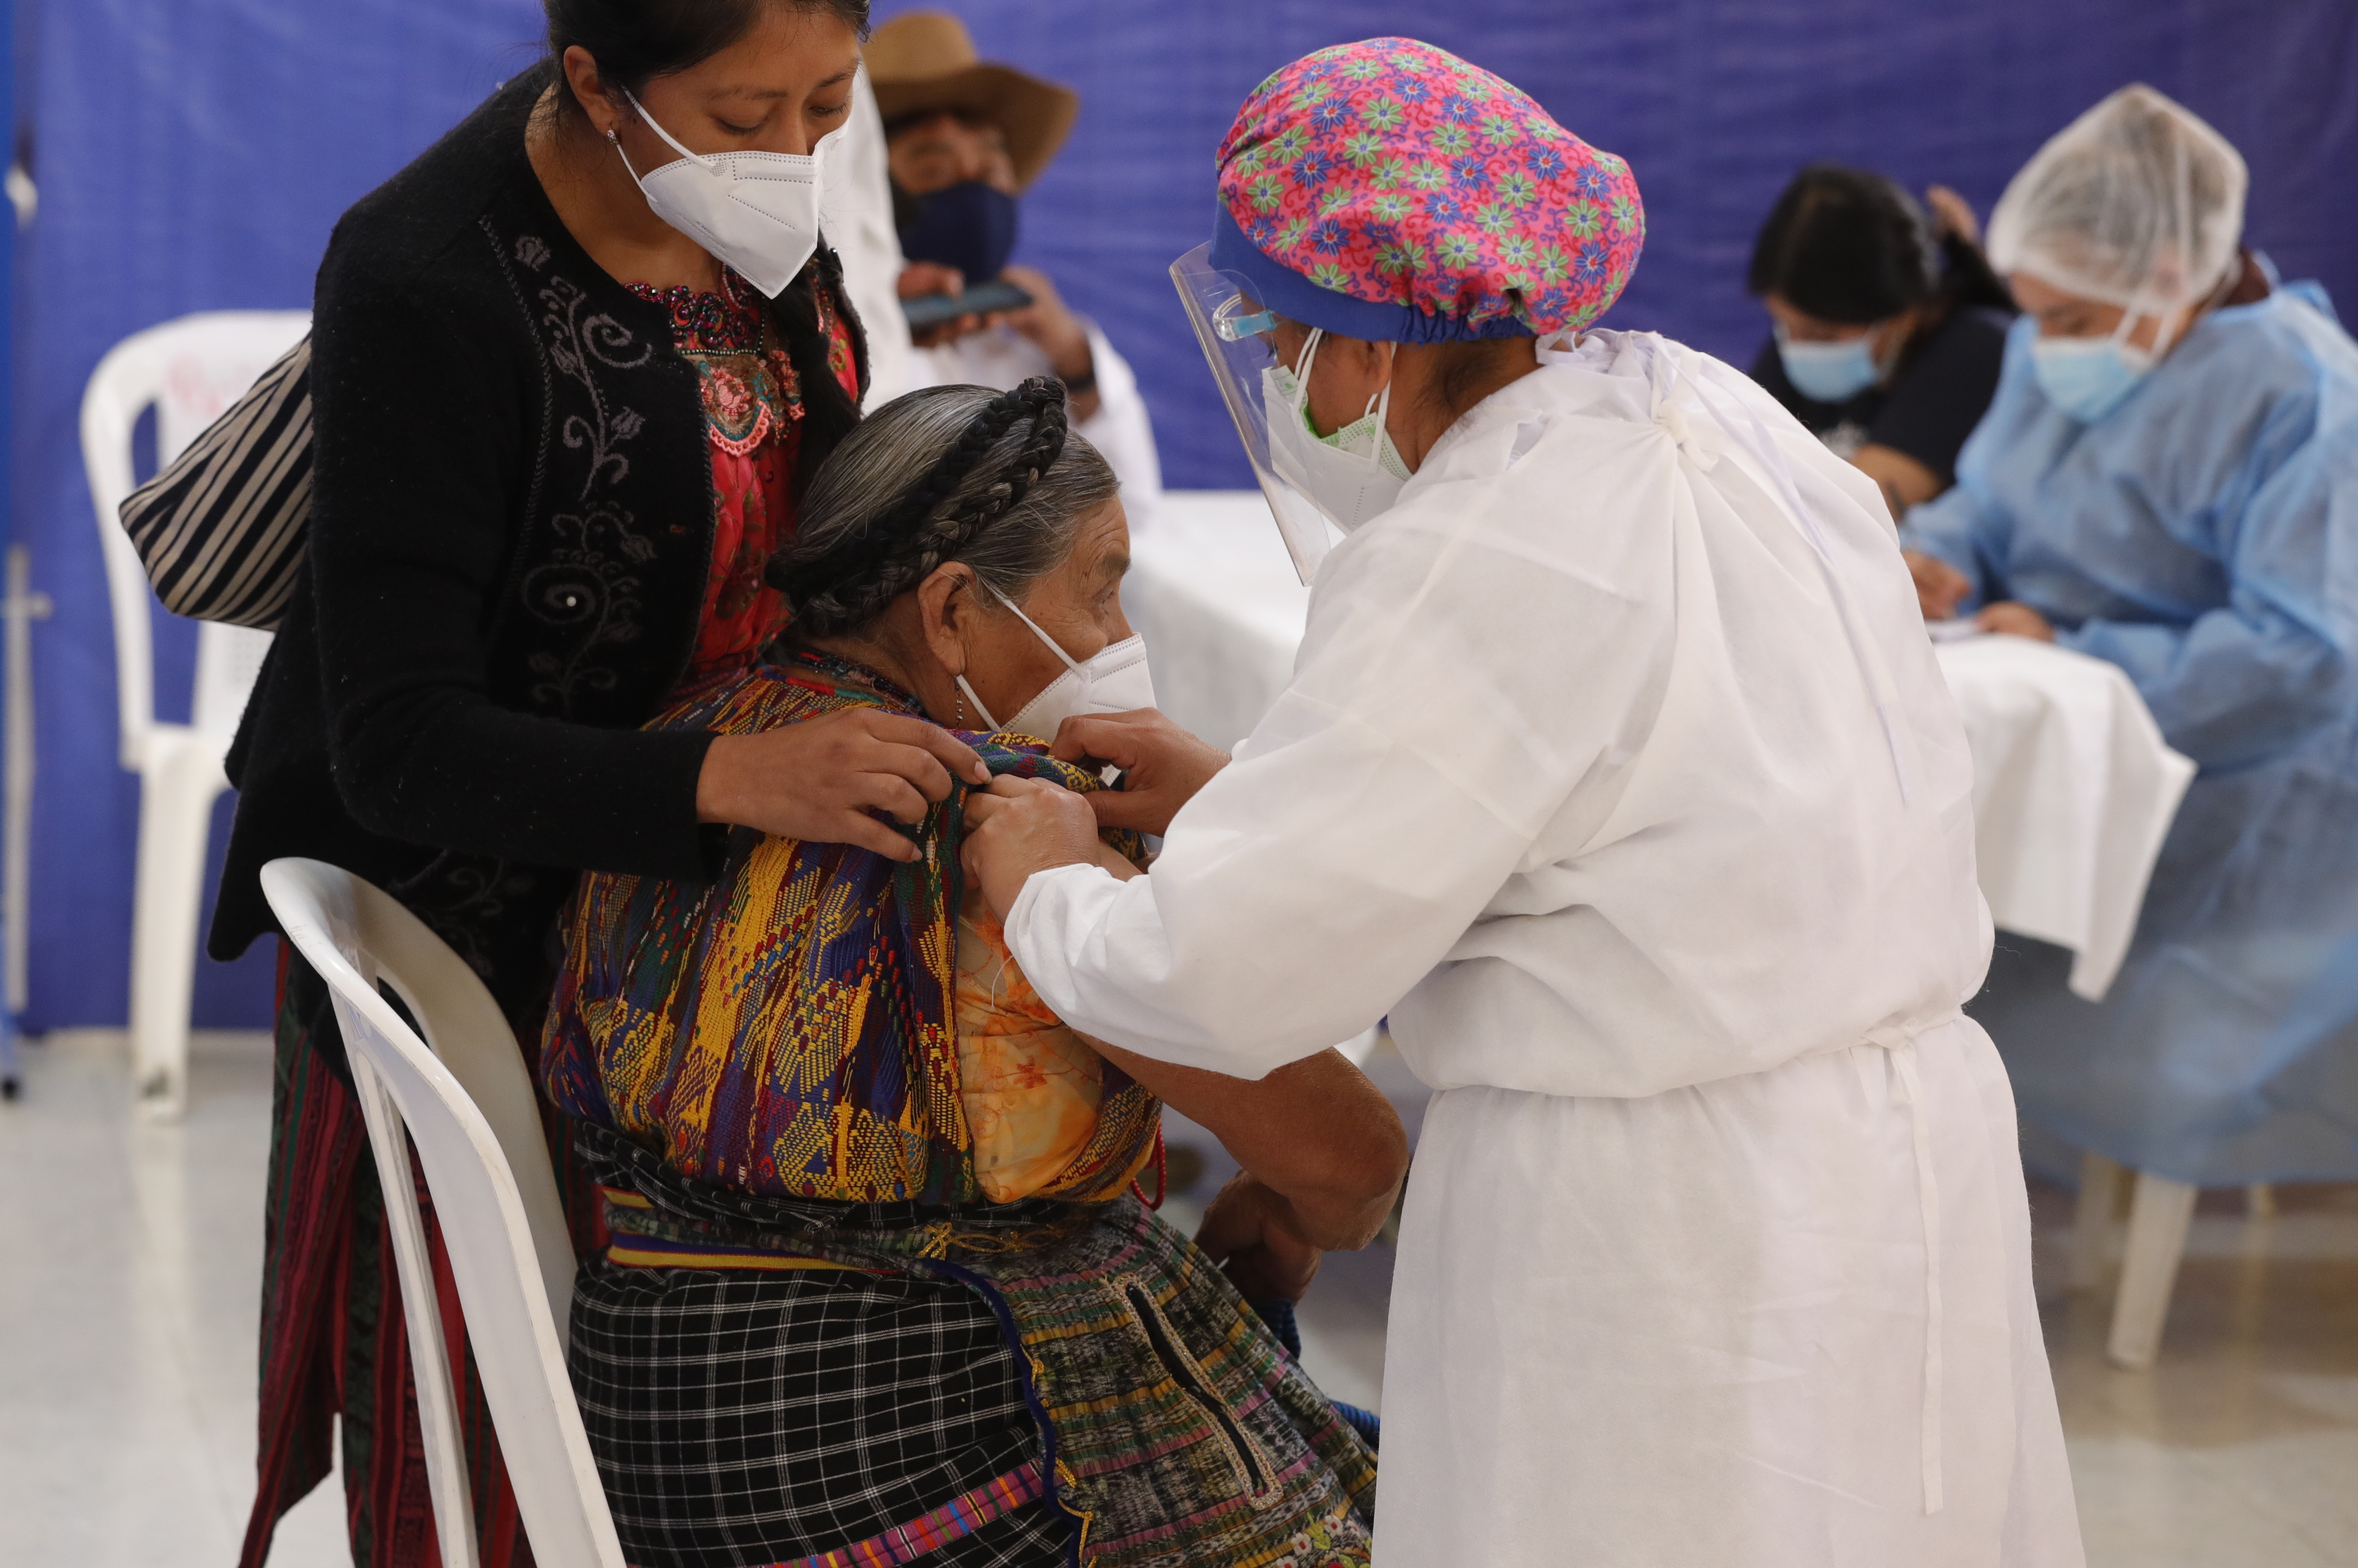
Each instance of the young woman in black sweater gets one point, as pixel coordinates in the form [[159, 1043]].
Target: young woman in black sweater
[[1889, 324], [555, 439]]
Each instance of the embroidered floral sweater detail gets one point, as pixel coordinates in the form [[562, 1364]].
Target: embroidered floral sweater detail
[[752, 418]]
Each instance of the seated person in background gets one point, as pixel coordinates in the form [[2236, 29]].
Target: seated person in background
[[964, 139], [876, 1273], [2169, 480], [1889, 332]]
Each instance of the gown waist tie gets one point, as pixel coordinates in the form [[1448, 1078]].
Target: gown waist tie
[[1898, 1045]]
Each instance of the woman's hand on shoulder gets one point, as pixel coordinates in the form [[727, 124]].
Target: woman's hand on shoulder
[[1023, 826], [821, 780]]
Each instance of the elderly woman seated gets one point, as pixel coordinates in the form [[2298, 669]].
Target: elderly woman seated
[[878, 1288]]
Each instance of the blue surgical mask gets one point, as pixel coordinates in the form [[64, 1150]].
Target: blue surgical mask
[[2087, 377], [970, 226], [1830, 371]]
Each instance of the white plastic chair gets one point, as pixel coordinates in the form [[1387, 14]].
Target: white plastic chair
[[189, 371], [468, 1109], [2161, 1210]]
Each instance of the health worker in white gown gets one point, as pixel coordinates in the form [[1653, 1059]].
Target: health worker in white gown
[[1617, 770]]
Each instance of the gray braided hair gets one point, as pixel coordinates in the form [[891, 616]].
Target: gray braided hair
[[950, 473]]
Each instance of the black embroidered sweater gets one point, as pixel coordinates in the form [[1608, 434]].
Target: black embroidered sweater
[[510, 533]]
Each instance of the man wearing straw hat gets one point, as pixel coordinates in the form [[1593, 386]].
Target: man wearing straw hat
[[966, 137]]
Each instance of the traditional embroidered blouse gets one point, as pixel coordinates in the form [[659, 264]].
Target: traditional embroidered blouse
[[752, 417]]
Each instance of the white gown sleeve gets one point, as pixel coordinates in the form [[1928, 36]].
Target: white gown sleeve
[[1463, 673]]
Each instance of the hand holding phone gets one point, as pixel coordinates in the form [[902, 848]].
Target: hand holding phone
[[930, 311]]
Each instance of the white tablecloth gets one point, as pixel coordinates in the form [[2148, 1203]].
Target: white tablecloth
[[2073, 789], [1214, 595]]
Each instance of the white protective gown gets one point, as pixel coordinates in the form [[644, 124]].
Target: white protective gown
[[1716, 1251]]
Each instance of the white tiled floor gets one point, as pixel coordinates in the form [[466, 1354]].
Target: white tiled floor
[[2241, 1448], [130, 1277], [130, 1260]]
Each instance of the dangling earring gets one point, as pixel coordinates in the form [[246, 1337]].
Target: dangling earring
[[961, 710]]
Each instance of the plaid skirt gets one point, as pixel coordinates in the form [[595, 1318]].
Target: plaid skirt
[[746, 1417], [780, 1381]]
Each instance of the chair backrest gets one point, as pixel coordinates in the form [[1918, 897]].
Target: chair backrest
[[189, 371], [468, 1109]]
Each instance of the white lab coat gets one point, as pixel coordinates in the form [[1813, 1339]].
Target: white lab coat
[[1716, 1251], [1004, 358]]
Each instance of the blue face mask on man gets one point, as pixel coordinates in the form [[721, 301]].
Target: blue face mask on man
[[1830, 371], [970, 226], [2087, 378]]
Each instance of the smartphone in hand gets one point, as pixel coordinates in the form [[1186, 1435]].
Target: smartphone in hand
[[983, 300]]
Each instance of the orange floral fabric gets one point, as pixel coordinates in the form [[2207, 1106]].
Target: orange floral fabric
[[1031, 1087]]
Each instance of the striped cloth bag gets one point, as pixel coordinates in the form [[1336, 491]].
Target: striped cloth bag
[[220, 528]]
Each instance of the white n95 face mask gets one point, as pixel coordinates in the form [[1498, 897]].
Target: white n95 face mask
[[1351, 475], [757, 213], [1114, 679]]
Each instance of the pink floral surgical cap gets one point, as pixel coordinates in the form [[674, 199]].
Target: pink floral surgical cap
[[1388, 191]]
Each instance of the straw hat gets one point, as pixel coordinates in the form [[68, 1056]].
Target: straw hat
[[924, 61]]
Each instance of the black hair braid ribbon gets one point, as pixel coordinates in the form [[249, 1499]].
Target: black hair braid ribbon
[[901, 529]]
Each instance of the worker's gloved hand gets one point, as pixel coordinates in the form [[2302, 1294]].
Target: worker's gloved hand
[[1163, 765], [1249, 1231], [1939, 585]]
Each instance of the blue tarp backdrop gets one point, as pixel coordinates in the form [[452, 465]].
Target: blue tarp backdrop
[[194, 157]]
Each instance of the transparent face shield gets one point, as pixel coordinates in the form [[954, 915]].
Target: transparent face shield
[[1240, 339]]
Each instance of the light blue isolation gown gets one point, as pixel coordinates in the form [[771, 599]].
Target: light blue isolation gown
[[2204, 537]]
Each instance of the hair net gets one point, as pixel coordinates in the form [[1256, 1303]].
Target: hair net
[[2137, 203]]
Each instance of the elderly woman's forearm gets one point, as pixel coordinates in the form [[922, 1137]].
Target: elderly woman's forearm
[[1341, 1222], [1315, 1130]]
